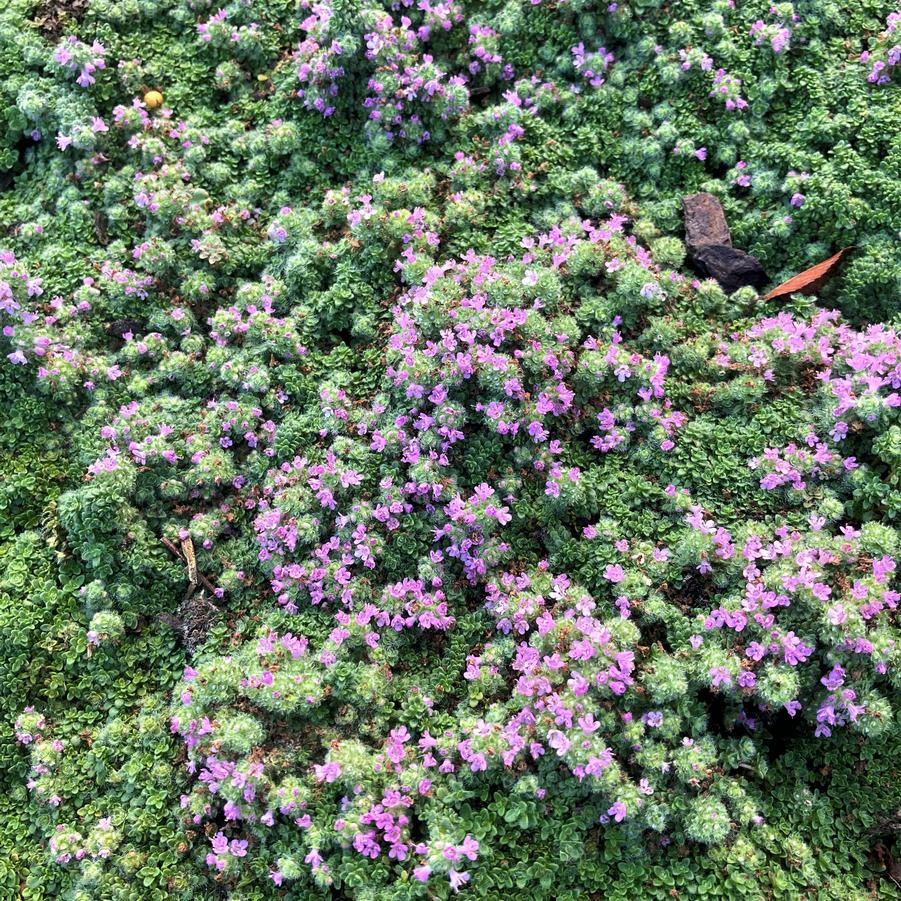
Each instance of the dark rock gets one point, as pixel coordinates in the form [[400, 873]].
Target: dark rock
[[731, 267], [120, 327], [100, 231], [116, 330], [705, 222], [710, 248]]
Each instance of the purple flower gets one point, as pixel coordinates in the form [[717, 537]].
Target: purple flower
[[219, 843], [457, 880], [835, 679], [327, 772], [755, 651], [618, 811]]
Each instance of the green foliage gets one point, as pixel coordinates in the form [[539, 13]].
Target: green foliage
[[223, 286]]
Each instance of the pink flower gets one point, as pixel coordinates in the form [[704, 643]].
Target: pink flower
[[618, 811], [457, 880]]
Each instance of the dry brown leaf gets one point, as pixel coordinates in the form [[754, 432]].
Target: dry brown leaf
[[810, 280]]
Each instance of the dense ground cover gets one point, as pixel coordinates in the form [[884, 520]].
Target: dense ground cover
[[535, 567]]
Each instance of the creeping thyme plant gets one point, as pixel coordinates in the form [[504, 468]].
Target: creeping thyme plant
[[386, 509]]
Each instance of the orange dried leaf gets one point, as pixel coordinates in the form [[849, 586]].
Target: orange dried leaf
[[810, 280]]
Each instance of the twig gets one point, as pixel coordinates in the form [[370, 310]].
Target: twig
[[177, 553]]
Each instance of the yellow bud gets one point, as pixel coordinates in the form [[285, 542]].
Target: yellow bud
[[153, 99]]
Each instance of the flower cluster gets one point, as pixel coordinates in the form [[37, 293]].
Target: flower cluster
[[727, 88], [777, 32], [320, 59], [883, 64], [407, 87], [487, 538], [68, 844], [591, 66], [75, 56]]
